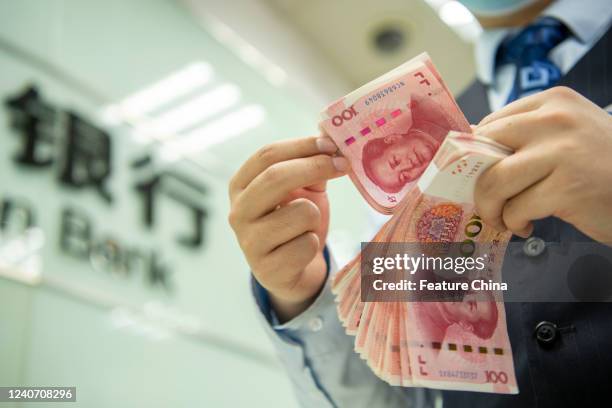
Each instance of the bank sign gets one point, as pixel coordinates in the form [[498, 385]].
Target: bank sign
[[79, 160]]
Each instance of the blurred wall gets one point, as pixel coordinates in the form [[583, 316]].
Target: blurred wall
[[68, 320]]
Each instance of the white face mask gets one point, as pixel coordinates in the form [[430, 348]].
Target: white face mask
[[495, 8]]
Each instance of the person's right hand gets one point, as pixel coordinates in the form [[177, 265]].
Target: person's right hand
[[280, 215]]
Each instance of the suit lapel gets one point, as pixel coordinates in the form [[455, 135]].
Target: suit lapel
[[474, 102], [589, 77]]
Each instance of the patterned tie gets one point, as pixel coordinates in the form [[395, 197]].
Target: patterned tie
[[528, 50]]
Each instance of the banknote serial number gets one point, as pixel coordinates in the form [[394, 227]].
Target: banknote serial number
[[8, 394], [465, 375], [384, 92]]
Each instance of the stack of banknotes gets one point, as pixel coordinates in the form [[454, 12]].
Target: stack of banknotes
[[413, 155]]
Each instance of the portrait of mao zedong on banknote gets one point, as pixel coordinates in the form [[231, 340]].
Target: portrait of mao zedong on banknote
[[397, 159], [472, 313]]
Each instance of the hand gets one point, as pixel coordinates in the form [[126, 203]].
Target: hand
[[280, 215], [562, 165]]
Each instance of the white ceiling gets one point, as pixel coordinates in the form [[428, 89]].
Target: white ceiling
[[342, 32]]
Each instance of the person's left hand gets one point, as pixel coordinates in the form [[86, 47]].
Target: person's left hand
[[562, 165]]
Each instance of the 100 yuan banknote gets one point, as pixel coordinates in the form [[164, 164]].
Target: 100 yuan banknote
[[391, 128]]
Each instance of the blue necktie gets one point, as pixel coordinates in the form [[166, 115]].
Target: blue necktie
[[528, 51]]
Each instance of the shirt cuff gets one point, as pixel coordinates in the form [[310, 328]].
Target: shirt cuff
[[262, 297], [318, 325], [314, 333]]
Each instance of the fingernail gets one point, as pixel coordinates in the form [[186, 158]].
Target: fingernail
[[522, 234], [340, 163], [526, 233], [325, 145]]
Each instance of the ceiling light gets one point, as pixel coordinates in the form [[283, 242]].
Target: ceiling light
[[172, 87], [190, 113], [222, 129], [454, 13]]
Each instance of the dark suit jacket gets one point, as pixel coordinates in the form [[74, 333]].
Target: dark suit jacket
[[574, 369]]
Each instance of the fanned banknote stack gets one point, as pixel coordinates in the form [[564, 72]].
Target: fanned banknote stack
[[413, 155]]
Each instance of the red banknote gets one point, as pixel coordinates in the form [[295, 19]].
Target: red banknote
[[457, 345], [391, 128]]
